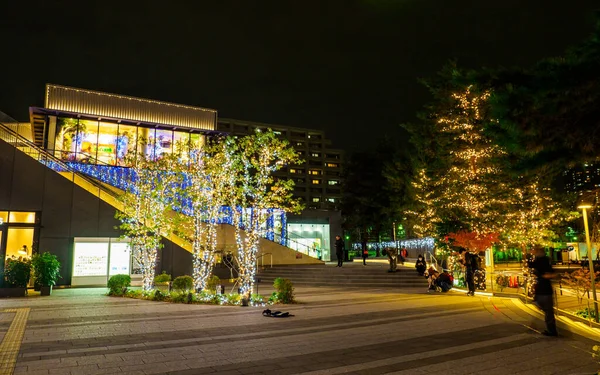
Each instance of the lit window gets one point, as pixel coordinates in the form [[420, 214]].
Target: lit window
[[331, 165], [314, 173], [315, 154], [316, 199], [276, 132], [299, 143], [333, 182], [293, 170], [331, 200], [316, 182]]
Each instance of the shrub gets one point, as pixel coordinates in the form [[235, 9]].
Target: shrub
[[183, 283], [158, 296], [162, 279], [118, 285], [502, 281], [285, 290], [212, 283], [233, 299], [586, 313], [134, 294], [45, 269], [17, 272]]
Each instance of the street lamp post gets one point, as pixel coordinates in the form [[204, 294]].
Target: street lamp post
[[584, 207]]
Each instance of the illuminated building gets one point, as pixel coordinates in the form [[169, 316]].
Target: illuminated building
[[59, 174]]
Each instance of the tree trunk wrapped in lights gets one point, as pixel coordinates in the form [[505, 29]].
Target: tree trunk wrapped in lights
[[146, 204], [256, 158], [210, 180]]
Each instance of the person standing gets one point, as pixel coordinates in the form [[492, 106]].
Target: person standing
[[469, 262], [392, 256], [365, 252], [542, 268], [339, 250]]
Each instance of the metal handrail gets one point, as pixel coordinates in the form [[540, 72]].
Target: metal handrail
[[44, 157], [262, 261]]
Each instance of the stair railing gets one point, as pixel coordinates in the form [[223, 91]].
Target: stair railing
[[261, 259]]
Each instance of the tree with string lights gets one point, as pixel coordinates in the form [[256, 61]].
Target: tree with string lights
[[145, 217], [208, 184], [255, 158]]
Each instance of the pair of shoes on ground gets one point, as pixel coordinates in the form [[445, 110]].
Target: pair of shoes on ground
[[276, 314], [470, 293], [548, 333]]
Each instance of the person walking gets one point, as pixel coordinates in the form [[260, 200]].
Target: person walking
[[542, 268], [339, 250], [365, 252]]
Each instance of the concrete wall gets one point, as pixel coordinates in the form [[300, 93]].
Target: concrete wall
[[281, 255]]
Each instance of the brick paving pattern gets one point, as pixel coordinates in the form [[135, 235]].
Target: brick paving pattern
[[334, 330]]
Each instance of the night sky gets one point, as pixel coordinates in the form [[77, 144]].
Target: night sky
[[348, 67]]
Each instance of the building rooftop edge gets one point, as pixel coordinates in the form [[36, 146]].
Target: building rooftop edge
[[119, 96]]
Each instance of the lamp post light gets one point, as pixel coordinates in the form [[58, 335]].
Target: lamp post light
[[585, 207]]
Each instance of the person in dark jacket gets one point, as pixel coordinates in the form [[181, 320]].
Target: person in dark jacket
[[339, 250], [470, 264], [542, 268], [421, 265], [365, 252]]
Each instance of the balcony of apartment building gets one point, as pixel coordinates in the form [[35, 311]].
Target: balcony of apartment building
[[296, 135]]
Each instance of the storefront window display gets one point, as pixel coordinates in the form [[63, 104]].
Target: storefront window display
[[109, 143], [96, 259]]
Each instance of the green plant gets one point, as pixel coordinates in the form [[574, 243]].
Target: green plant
[[212, 283], [285, 290], [183, 283], [502, 281], [46, 269], [233, 299], [134, 294], [118, 284], [17, 272], [162, 279], [586, 313], [158, 296]]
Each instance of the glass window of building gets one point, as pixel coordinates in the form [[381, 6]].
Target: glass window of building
[[126, 142], [331, 200], [197, 140], [314, 172], [299, 143], [164, 142], [316, 199], [181, 141], [107, 143], [21, 217], [88, 145], [316, 182], [315, 154], [66, 140], [333, 182], [332, 165], [292, 170], [3, 217]]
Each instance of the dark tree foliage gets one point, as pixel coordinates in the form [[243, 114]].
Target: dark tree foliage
[[367, 200], [549, 115]]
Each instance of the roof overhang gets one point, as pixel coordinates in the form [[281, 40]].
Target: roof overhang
[[96, 104]]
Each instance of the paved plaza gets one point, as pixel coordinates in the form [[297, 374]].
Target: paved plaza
[[334, 330]]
